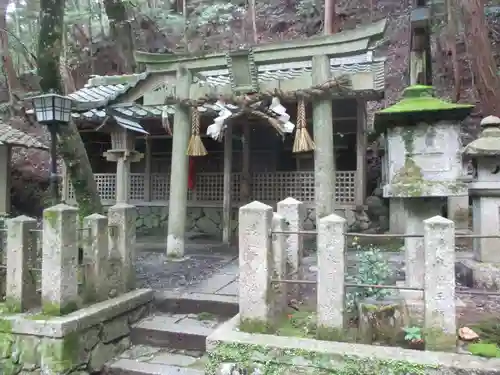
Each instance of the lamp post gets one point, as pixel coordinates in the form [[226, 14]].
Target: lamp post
[[53, 111]]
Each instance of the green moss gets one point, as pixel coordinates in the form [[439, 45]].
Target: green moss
[[28, 349], [273, 361], [39, 317], [174, 256], [330, 334], [408, 137], [5, 325], [12, 305], [489, 331], [53, 309], [9, 367], [50, 217], [409, 182], [255, 326], [61, 355], [297, 324], [437, 340], [205, 316], [484, 350], [6, 343], [419, 98]]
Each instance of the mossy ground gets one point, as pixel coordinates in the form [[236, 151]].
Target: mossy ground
[[489, 333], [303, 324]]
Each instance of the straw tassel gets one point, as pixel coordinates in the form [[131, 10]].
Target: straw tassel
[[195, 146], [303, 141]]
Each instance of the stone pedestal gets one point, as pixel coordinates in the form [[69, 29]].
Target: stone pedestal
[[381, 320], [416, 211], [486, 221], [397, 216], [458, 211]]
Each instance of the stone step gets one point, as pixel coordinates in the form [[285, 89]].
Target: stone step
[[125, 366], [176, 331], [195, 303]]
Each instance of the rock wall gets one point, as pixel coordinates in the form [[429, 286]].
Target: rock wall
[[79, 353], [208, 220]]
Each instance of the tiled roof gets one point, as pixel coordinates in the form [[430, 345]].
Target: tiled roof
[[130, 110], [107, 88], [340, 65], [15, 137]]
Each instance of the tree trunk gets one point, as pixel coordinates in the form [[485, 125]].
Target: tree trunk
[[331, 23], [121, 33], [452, 46], [71, 147], [484, 69], [10, 73]]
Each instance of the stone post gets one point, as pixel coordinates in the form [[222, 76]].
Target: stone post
[[416, 211], [177, 207], [20, 294], [60, 260], [256, 267], [95, 257], [279, 254], [330, 289], [439, 296], [294, 213], [121, 219]]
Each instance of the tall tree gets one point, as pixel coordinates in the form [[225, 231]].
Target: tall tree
[[8, 67], [480, 51], [121, 33], [71, 147], [330, 25]]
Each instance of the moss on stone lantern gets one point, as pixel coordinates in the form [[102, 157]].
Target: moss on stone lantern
[[418, 105]]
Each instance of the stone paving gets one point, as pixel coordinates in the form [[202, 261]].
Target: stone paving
[[204, 257], [146, 359]]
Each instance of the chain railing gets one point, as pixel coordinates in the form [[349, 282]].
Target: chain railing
[[429, 268]]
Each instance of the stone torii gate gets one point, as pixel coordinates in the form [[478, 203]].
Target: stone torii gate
[[313, 56]]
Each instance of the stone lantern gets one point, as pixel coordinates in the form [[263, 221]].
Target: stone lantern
[[424, 163], [123, 153], [485, 189]]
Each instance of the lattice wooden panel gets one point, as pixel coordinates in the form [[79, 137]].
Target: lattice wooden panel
[[209, 187], [266, 186], [160, 187], [344, 187], [136, 187], [106, 186]]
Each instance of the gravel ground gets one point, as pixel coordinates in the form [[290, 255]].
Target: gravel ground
[[155, 270]]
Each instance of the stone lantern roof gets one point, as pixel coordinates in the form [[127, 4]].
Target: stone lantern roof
[[488, 143], [418, 105]]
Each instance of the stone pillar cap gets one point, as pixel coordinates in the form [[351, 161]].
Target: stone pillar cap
[[488, 143], [490, 121]]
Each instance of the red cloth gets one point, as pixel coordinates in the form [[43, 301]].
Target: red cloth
[[191, 174]]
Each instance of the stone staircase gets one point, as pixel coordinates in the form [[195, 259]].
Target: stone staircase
[[172, 339]]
